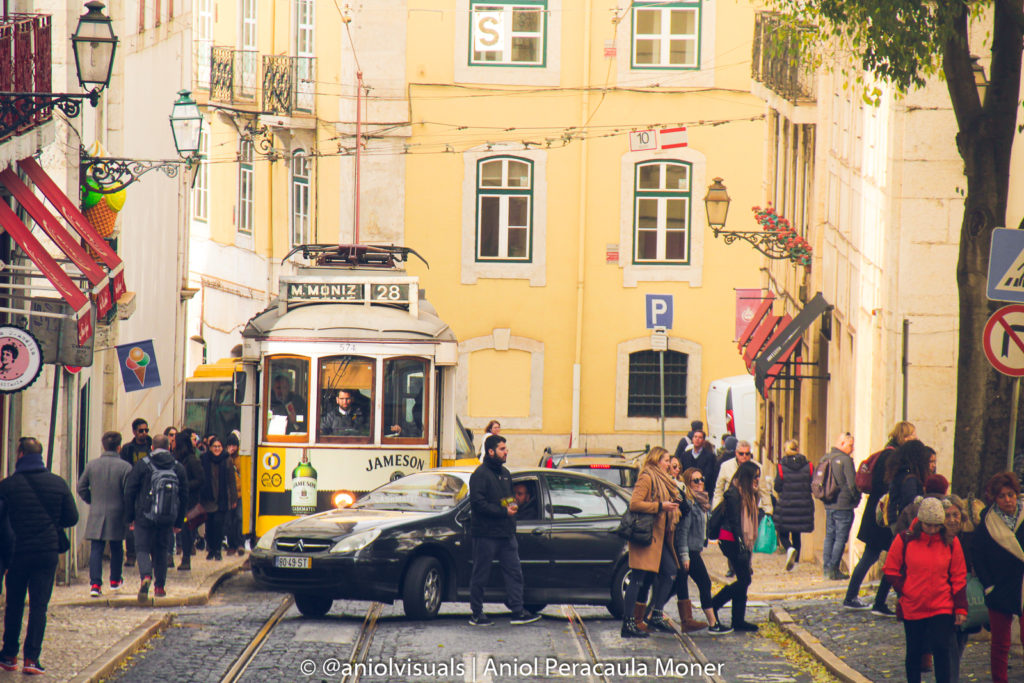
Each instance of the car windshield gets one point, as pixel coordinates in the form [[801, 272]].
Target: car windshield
[[620, 476], [422, 492]]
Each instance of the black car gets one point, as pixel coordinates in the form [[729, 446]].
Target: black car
[[617, 470], [409, 540]]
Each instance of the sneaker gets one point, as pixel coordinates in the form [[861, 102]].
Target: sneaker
[[883, 611], [524, 617], [94, 591], [116, 585], [744, 626], [719, 629], [144, 588], [32, 667], [854, 603], [790, 559], [8, 663], [480, 620], [159, 592]]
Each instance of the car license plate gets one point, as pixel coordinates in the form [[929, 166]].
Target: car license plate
[[292, 562]]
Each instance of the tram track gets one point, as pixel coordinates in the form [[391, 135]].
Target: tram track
[[582, 637], [690, 647], [361, 645], [240, 664]]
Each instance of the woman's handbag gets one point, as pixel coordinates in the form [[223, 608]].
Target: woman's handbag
[[766, 538], [637, 527], [977, 612], [196, 516]]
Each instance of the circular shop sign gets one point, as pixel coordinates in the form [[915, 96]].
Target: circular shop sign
[[21, 359]]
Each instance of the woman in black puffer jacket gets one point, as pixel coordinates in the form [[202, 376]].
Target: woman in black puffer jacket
[[794, 511]]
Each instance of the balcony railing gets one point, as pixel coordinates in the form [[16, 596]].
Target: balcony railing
[[289, 84], [232, 75], [25, 61], [778, 61]]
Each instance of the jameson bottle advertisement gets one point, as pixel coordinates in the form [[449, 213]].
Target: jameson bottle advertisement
[[303, 487]]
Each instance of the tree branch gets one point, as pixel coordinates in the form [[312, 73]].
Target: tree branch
[[956, 63]]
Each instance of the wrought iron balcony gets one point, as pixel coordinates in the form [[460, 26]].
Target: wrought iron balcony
[[777, 60], [24, 67], [289, 84], [233, 75]]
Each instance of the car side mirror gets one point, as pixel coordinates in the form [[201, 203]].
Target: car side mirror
[[238, 386]]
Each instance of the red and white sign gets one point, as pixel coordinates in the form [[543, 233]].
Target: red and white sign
[[673, 137], [640, 140], [747, 303], [1003, 340]]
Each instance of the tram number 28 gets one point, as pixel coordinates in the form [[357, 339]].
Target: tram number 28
[[390, 292]]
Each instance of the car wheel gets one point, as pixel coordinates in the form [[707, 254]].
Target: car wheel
[[618, 590], [313, 606], [423, 589], [535, 607]]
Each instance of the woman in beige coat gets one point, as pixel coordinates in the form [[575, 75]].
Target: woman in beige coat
[[655, 493]]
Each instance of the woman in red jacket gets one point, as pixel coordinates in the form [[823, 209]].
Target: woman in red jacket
[[926, 567]]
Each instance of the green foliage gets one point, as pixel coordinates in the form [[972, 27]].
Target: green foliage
[[900, 41]]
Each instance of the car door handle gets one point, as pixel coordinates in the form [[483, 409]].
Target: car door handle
[[538, 531]]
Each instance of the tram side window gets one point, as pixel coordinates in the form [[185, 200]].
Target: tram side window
[[346, 397], [288, 396], [403, 398]]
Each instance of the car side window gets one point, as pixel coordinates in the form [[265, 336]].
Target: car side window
[[617, 503], [576, 498]]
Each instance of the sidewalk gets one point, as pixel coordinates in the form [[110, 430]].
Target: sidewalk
[[85, 636], [771, 581]]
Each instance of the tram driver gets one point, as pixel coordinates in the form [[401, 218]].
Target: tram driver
[[287, 404], [348, 417]]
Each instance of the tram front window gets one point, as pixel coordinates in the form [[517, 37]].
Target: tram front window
[[346, 397], [287, 396], [403, 398]]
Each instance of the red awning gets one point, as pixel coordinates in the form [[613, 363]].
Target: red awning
[[76, 220], [60, 236], [755, 322], [775, 369], [78, 301], [759, 338]]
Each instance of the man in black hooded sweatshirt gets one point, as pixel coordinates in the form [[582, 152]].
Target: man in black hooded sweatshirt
[[493, 529]]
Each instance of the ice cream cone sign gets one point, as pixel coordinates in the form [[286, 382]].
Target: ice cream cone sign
[[138, 365]]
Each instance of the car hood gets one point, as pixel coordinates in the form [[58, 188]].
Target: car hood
[[338, 523]]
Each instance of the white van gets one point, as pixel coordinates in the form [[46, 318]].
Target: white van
[[732, 409]]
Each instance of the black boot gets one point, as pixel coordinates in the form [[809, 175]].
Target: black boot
[[657, 622], [739, 612], [629, 629]]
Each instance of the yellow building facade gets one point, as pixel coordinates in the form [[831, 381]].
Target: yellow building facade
[[546, 223], [495, 139]]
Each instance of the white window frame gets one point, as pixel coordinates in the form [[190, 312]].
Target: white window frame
[[246, 186], [504, 193], [665, 36], [506, 34], [465, 70], [201, 186], [663, 196], [300, 198], [634, 273], [203, 42], [248, 42]]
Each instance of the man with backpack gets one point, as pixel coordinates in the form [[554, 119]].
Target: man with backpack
[[834, 484], [154, 502]]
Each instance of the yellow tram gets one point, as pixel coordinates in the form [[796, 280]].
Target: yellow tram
[[349, 382]]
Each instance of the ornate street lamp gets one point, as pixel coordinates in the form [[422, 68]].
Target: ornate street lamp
[[94, 44], [777, 239], [186, 126]]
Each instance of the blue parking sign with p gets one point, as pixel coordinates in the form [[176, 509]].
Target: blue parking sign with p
[[659, 311]]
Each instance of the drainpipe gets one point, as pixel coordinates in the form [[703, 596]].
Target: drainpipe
[[582, 236]]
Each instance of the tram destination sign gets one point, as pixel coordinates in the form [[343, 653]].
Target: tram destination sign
[[354, 292]]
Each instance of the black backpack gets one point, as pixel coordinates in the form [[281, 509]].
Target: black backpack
[[163, 494]]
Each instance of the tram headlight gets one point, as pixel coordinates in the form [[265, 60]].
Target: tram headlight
[[351, 544], [266, 541], [343, 499]]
